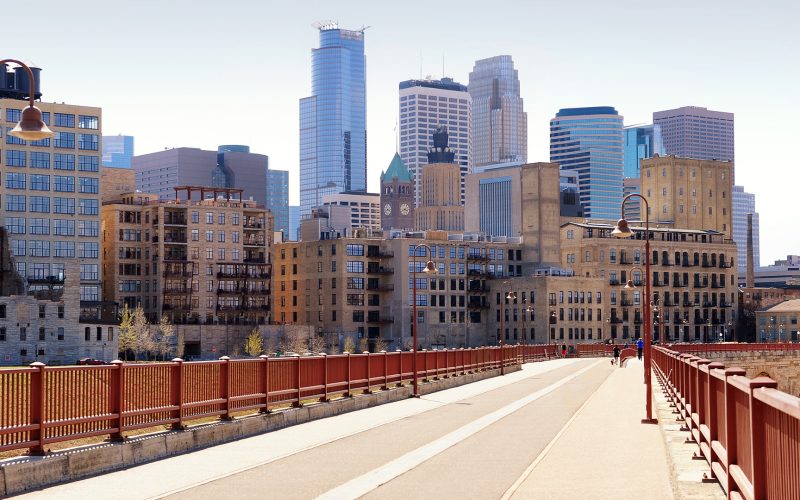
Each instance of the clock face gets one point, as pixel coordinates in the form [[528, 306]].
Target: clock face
[[404, 209], [387, 209]]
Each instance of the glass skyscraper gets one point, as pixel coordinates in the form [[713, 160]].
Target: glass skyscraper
[[499, 122], [589, 141], [641, 141], [333, 135], [117, 151], [745, 203], [278, 199]]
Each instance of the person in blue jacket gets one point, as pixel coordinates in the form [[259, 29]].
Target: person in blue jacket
[[639, 347]]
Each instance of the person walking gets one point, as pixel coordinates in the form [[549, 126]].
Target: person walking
[[563, 350], [639, 348], [615, 359]]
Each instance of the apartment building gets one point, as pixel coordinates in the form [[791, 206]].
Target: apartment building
[[197, 260], [362, 286], [693, 279]]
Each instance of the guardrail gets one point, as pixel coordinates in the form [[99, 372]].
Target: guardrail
[[40, 405], [735, 347], [746, 429]]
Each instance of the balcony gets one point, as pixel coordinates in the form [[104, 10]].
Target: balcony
[[229, 291], [379, 319], [637, 320], [254, 260], [479, 289], [477, 305], [725, 303], [172, 221], [626, 302], [478, 272], [616, 320], [715, 284], [477, 258], [707, 264], [177, 307], [252, 225], [724, 265], [613, 281], [177, 290], [699, 284], [381, 254]]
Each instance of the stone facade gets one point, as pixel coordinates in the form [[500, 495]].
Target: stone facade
[[116, 181], [781, 366]]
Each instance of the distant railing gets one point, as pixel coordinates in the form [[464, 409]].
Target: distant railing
[[746, 429], [41, 405]]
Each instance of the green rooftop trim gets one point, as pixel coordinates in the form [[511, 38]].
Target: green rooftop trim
[[397, 169]]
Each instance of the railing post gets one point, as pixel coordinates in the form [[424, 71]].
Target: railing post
[[400, 369], [37, 408], [117, 398], [265, 383], [385, 370], [367, 389], [757, 446], [324, 398], [176, 392], [731, 449], [425, 365], [349, 377], [298, 403], [225, 385]]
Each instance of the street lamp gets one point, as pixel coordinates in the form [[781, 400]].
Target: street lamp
[[623, 231], [31, 127], [503, 297], [430, 268], [527, 310]]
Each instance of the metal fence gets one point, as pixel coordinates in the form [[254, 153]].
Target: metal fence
[[746, 429], [40, 405]]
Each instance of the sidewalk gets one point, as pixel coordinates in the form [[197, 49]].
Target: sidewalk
[[605, 452]]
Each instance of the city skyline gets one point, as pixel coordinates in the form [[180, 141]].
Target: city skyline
[[266, 113]]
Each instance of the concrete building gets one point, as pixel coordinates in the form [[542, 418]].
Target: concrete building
[[440, 206], [397, 196], [333, 132], [118, 151], [353, 210], [695, 132], [499, 121], [514, 201], [51, 214], [688, 193], [589, 141], [231, 166], [362, 286], [640, 142], [633, 207], [570, 194], [745, 203], [197, 261], [277, 200], [781, 274], [116, 181], [294, 223], [425, 105], [694, 279], [779, 322]]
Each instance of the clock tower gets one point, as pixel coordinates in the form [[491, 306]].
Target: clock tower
[[397, 196]]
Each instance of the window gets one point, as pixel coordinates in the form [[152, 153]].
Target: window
[[15, 203], [40, 159], [88, 250], [63, 120], [90, 122], [15, 225], [64, 227], [355, 250], [64, 249], [63, 205], [88, 163], [209, 217], [89, 142], [23, 333], [88, 228], [209, 236], [3, 333], [195, 235], [90, 292], [64, 183], [221, 218], [88, 206], [16, 158], [89, 185], [64, 140], [39, 248], [18, 248], [10, 139], [195, 217], [39, 226], [63, 161], [355, 266], [40, 182], [13, 115]]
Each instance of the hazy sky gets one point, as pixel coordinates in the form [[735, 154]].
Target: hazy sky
[[201, 73]]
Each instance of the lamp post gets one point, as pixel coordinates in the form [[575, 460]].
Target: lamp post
[[503, 297], [31, 127], [623, 231], [430, 268], [527, 310]]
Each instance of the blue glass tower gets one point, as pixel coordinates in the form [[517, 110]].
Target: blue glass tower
[[117, 151], [641, 141], [333, 134], [278, 199], [589, 141]]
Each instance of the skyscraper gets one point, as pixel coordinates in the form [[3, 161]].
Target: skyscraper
[[589, 141], [745, 203], [499, 122], [641, 141], [117, 151], [695, 132], [278, 199], [333, 135], [424, 105]]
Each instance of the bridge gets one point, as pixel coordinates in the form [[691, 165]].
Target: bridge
[[547, 428]]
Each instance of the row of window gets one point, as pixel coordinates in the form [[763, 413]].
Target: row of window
[[60, 227], [41, 204], [64, 140], [61, 161], [42, 248], [61, 183], [59, 119]]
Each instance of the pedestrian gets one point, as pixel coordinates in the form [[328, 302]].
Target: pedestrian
[[639, 348], [563, 350], [615, 359], [625, 346]]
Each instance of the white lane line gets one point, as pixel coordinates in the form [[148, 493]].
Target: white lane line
[[365, 483], [514, 487]]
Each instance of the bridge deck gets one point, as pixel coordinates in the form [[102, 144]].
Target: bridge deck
[[557, 429]]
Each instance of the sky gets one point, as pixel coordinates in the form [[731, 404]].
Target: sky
[[176, 73]]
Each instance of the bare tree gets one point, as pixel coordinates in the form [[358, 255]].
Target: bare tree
[[363, 344], [380, 344], [254, 345], [349, 344], [126, 338], [179, 347], [316, 343], [293, 341], [165, 337], [140, 328]]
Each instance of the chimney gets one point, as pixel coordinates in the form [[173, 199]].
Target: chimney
[[750, 280]]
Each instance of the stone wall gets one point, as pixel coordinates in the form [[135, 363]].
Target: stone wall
[[781, 366], [214, 341]]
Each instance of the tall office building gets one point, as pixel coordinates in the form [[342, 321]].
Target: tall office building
[[639, 142], [117, 151], [278, 199], [51, 195], [424, 105], [231, 166], [333, 134], [695, 132], [440, 206], [589, 141], [745, 203], [499, 122], [294, 223]]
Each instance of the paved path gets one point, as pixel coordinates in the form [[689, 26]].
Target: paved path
[[556, 429]]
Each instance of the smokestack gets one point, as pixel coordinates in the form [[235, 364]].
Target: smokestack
[[750, 280]]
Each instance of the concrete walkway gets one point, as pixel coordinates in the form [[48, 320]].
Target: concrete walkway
[[604, 451]]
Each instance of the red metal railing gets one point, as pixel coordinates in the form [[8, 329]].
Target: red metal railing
[[746, 429], [735, 347], [41, 405]]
